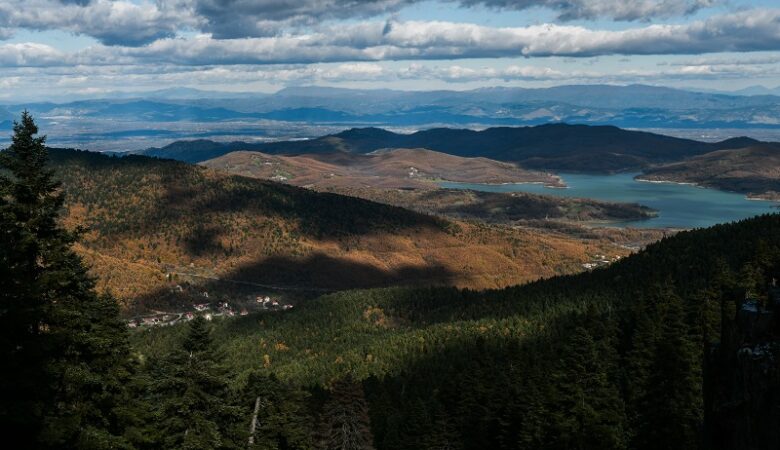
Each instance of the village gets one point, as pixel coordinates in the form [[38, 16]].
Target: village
[[600, 261], [209, 311]]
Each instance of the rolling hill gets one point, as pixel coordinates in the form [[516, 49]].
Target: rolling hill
[[555, 147], [389, 168], [752, 170], [405, 178], [152, 222]]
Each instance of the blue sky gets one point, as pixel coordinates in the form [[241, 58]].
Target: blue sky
[[67, 48]]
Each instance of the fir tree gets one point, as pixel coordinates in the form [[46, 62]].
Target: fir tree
[[346, 424], [589, 411], [65, 348], [194, 400], [282, 421]]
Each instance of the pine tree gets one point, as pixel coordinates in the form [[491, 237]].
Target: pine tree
[[589, 411], [64, 345], [194, 400], [665, 376], [346, 424], [282, 421], [27, 208]]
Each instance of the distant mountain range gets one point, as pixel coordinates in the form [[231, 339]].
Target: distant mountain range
[[634, 106], [556, 147]]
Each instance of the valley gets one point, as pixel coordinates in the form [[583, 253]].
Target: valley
[[147, 218]]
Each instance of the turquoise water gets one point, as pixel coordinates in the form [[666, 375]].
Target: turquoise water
[[678, 206]]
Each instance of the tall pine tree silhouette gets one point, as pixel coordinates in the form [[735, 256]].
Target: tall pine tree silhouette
[[63, 347]]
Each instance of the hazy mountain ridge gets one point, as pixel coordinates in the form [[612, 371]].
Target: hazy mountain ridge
[[638, 106], [562, 147]]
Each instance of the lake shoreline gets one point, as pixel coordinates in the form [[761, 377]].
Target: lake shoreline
[[679, 205]]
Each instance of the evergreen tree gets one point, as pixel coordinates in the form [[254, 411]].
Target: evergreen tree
[[666, 377], [194, 410], [588, 412], [63, 346], [28, 206], [345, 421], [282, 421]]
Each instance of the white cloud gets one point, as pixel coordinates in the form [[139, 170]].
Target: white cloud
[[30, 54], [109, 21], [755, 30], [133, 23]]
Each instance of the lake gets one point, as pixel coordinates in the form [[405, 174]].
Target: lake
[[678, 205]]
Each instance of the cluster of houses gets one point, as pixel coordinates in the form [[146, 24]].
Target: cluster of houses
[[209, 311], [600, 260], [268, 304]]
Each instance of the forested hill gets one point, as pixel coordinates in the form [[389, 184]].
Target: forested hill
[[752, 170], [551, 147], [661, 350], [148, 218]]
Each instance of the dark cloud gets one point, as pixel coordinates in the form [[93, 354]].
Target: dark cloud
[[253, 18], [628, 10]]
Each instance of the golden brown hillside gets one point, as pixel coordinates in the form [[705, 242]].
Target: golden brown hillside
[[389, 168], [153, 222]]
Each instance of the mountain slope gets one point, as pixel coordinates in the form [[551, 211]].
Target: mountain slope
[[560, 147], [156, 218], [655, 342], [752, 170], [394, 168]]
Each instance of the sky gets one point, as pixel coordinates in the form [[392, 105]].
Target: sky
[[65, 48]]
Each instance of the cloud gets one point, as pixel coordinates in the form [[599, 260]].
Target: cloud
[[257, 18], [746, 31], [30, 55], [135, 23], [111, 22], [631, 10]]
